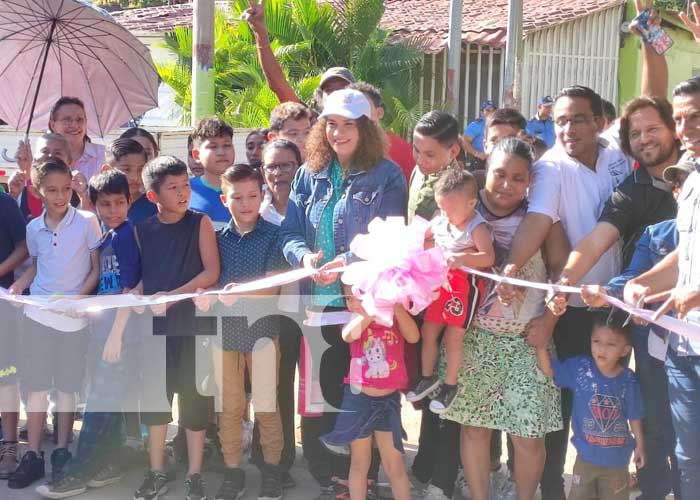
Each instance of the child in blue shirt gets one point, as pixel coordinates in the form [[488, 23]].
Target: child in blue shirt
[[111, 355], [606, 397], [212, 146]]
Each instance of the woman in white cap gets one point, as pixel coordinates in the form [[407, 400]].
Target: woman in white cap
[[344, 184]]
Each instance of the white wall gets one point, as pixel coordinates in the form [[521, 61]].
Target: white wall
[[583, 52]]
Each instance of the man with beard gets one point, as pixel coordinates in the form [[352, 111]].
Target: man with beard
[[647, 134], [680, 270]]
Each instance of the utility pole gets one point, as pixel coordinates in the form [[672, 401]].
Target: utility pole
[[202, 60], [454, 53], [514, 55]]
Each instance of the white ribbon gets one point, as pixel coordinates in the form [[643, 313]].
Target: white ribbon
[[675, 325], [71, 305], [97, 303]]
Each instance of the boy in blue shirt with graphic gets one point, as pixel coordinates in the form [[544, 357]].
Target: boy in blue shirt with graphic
[[212, 146], [606, 397], [112, 347]]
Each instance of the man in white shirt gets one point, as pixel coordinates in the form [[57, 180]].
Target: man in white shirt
[[572, 182]]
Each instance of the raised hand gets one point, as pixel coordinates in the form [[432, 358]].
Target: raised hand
[[24, 156], [694, 25], [255, 16]]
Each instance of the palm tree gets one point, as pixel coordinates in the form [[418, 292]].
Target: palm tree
[[307, 37]]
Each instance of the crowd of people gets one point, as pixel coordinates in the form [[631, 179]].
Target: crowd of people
[[574, 196]]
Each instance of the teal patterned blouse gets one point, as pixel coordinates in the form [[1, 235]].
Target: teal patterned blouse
[[330, 295]]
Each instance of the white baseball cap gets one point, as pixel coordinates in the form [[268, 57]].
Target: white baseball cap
[[347, 103]]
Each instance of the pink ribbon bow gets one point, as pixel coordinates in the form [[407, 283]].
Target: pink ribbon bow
[[396, 268]]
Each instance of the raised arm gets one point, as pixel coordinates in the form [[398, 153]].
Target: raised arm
[[276, 79], [654, 67]]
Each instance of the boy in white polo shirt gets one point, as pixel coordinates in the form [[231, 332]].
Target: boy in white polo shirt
[[63, 243]]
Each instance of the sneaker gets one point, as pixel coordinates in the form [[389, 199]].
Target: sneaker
[[422, 388], [152, 487], [65, 486], [194, 488], [233, 486], [30, 469], [59, 458], [444, 399], [8, 459], [271, 488], [327, 493], [109, 474], [432, 492]]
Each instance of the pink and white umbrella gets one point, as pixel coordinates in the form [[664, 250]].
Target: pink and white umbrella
[[54, 48]]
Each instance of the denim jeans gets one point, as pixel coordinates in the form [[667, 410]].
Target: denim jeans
[[660, 475], [103, 430], [684, 394]]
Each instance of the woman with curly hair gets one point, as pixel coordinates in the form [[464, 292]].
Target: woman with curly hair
[[344, 184]]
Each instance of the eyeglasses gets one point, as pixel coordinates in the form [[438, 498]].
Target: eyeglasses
[[282, 167], [575, 120]]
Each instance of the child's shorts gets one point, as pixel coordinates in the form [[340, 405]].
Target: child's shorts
[[361, 415], [591, 481], [52, 359], [9, 335], [180, 378], [459, 300]]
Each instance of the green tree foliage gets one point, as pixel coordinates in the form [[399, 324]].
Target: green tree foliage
[[671, 4], [307, 37]]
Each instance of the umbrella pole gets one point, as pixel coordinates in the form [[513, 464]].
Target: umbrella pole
[[41, 76], [3, 153]]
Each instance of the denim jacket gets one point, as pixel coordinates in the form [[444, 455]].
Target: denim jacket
[[379, 192], [657, 241]]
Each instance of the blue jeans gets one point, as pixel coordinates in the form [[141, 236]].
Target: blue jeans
[[660, 475], [103, 430], [684, 394]]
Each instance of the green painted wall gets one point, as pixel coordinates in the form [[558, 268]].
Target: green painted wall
[[683, 58]]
